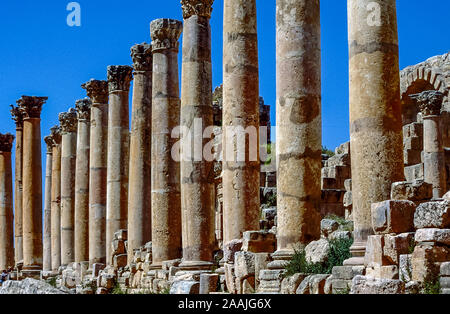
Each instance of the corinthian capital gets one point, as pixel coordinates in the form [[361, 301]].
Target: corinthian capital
[[17, 116], [119, 77], [97, 91], [165, 34], [83, 109], [31, 106], [142, 57], [49, 141], [196, 7], [68, 121], [56, 134], [6, 141], [429, 102]]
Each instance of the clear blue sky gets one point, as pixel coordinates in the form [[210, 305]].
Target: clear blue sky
[[41, 55]]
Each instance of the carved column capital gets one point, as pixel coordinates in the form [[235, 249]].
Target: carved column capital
[[201, 8], [6, 142], [83, 107], [49, 141], [17, 116], [165, 34], [97, 91], [429, 102], [56, 135], [68, 121], [119, 77], [142, 57], [31, 106]]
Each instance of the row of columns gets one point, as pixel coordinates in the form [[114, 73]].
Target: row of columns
[[103, 173]]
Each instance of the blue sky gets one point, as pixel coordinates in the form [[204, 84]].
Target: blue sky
[[41, 55]]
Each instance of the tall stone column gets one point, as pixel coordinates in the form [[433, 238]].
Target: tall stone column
[[6, 203], [376, 140], [197, 174], [299, 122], [98, 93], [430, 103], [119, 79], [241, 164], [68, 121], [165, 180], [82, 181], [56, 199], [17, 116], [47, 244], [139, 196], [32, 184]]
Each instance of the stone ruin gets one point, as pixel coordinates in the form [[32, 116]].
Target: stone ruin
[[120, 215]]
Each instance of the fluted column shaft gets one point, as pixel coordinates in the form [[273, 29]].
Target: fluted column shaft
[[82, 181], [68, 163], [6, 203], [376, 141], [98, 92], [47, 244], [119, 78], [241, 203], [139, 204], [197, 174], [56, 200], [166, 197]]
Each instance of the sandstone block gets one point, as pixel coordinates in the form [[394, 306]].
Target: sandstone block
[[340, 235], [415, 191], [118, 247], [244, 264], [396, 245], [445, 282], [367, 285], [258, 242], [426, 261], [290, 284], [208, 283], [382, 272], [348, 185], [248, 285], [172, 263], [261, 261], [347, 272], [433, 215], [120, 260], [185, 287], [96, 268], [374, 251], [230, 249], [317, 284], [317, 251], [328, 226], [121, 235], [230, 278], [445, 269], [441, 236], [414, 172], [339, 286], [393, 217]]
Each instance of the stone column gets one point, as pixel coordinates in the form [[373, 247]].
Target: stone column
[[119, 78], [197, 174], [139, 196], [56, 199], [18, 234], [68, 121], [430, 103], [47, 244], [376, 141], [82, 181], [241, 165], [165, 181], [6, 203], [32, 184], [299, 122], [98, 93]]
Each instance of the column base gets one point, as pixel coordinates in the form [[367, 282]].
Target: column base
[[281, 258], [358, 251], [196, 265]]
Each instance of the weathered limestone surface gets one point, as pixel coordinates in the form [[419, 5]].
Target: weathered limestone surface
[[375, 112], [299, 122], [6, 203], [29, 286], [241, 165], [197, 174], [32, 183], [82, 181], [119, 79], [139, 196], [98, 93], [393, 217], [17, 116], [165, 171], [47, 243], [68, 121], [56, 199], [432, 215]]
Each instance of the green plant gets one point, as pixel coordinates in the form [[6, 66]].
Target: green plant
[[412, 246], [271, 200], [118, 290], [432, 286], [339, 251], [343, 291], [52, 282], [346, 225], [327, 151], [268, 148]]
